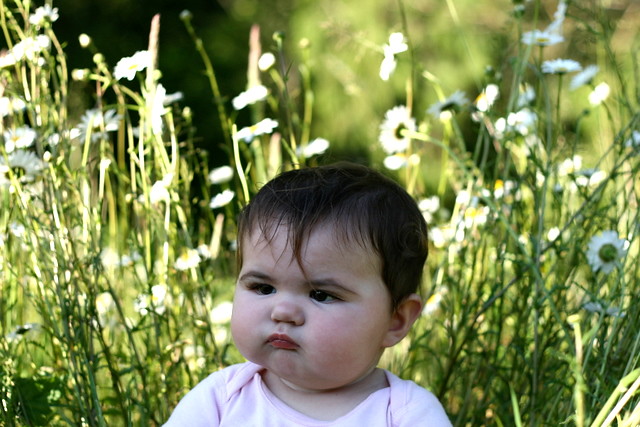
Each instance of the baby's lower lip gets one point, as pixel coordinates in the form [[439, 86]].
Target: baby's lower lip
[[282, 342]]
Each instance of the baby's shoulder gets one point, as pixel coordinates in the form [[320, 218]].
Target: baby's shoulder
[[409, 401]]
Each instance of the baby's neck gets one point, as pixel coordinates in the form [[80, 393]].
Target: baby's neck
[[325, 405]]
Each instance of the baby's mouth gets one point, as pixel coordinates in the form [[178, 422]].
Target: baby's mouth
[[282, 341]]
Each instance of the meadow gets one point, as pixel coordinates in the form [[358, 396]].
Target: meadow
[[117, 227]]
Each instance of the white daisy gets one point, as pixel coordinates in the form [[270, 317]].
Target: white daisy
[[313, 148], [395, 162], [560, 66], [526, 95], [397, 44], [395, 122], [128, 67], [605, 250], [97, 125], [44, 14], [25, 165], [583, 77], [387, 67], [265, 126], [541, 38], [221, 175], [599, 94], [444, 109], [11, 105], [487, 97], [266, 61], [188, 259], [250, 96], [29, 48], [21, 137], [222, 199], [429, 206]]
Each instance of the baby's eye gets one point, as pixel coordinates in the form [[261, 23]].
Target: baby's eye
[[263, 289], [322, 296]]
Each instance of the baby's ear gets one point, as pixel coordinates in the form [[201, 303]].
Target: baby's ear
[[402, 319]]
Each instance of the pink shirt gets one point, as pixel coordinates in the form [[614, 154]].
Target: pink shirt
[[236, 396]]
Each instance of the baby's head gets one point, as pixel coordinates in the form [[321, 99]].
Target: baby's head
[[362, 206]]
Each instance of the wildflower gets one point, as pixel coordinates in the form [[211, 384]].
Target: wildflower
[[590, 177], [221, 314], [157, 301], [204, 251], [97, 124], [521, 122], [188, 259], [396, 120], [29, 48], [570, 166], [222, 199], [221, 175], [128, 67], [475, 215], [158, 109], [560, 66], [264, 126], [634, 140], [159, 190], [487, 97], [429, 206], [605, 251], [553, 234], [443, 109], [19, 331], [433, 303], [84, 40], [44, 14], [11, 105], [526, 95], [599, 94], [313, 148], [194, 356], [395, 161], [250, 96], [266, 61], [104, 304], [18, 230], [541, 38], [558, 19], [396, 45], [583, 77], [21, 137], [25, 165]]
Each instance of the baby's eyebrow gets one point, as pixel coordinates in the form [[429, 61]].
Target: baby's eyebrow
[[255, 275], [329, 283]]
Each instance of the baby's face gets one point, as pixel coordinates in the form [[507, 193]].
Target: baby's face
[[318, 329]]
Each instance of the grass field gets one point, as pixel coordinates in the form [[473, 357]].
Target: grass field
[[117, 236]]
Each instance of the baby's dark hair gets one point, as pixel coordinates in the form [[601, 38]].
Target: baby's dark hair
[[362, 205]]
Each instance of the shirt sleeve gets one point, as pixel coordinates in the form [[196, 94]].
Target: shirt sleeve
[[200, 407], [412, 405]]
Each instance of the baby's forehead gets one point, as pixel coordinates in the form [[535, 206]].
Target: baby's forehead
[[328, 234]]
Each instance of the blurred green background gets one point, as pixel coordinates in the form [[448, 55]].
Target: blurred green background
[[462, 44]]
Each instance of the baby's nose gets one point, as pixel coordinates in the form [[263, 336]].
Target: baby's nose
[[288, 311]]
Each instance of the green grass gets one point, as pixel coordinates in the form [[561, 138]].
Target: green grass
[[107, 317]]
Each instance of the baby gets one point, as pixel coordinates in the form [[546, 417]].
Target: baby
[[330, 260]]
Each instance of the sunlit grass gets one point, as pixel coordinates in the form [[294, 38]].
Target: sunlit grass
[[117, 241]]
